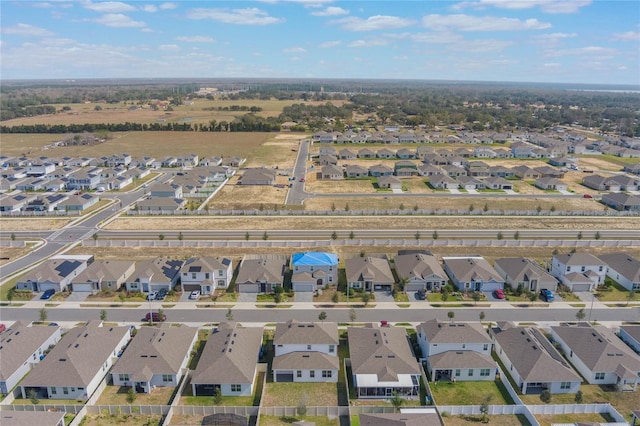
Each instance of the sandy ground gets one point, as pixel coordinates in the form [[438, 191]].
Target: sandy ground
[[346, 222], [234, 196], [32, 224], [9, 254]]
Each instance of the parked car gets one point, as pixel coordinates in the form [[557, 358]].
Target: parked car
[[546, 295], [302, 180], [155, 316], [498, 294], [53, 324], [421, 295], [162, 294], [195, 295], [48, 294], [152, 295], [2, 328], [588, 196]]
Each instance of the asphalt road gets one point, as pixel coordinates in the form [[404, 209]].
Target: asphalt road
[[271, 315], [296, 194]]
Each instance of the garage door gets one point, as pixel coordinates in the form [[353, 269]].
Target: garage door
[[414, 287], [83, 287], [248, 288], [581, 287], [303, 287], [491, 286], [284, 377], [49, 286], [190, 287]]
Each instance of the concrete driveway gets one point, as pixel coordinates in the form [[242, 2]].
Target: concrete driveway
[[383, 296], [303, 296], [491, 298], [78, 296], [247, 297]]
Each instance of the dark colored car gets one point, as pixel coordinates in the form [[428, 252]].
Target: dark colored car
[[421, 295], [155, 316], [47, 294], [162, 294], [546, 295], [498, 294]]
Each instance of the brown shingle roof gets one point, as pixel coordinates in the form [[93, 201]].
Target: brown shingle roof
[[299, 333]]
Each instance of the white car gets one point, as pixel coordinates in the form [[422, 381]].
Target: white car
[[152, 295], [195, 295]]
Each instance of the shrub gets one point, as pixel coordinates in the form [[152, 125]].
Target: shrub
[[545, 396]]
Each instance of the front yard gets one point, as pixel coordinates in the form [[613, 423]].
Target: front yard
[[469, 393], [117, 395]]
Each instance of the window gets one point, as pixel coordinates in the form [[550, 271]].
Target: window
[[167, 378], [332, 349], [599, 376], [220, 273], [485, 347], [308, 347], [236, 388], [54, 391], [193, 275], [471, 372], [327, 374], [299, 374], [123, 377], [565, 385], [457, 373], [312, 373], [65, 391], [484, 372], [568, 268]]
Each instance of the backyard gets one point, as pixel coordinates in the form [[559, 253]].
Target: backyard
[[470, 393]]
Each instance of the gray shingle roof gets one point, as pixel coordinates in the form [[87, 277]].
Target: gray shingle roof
[[269, 269], [103, 270], [447, 332], [625, 265], [519, 268], [229, 356], [418, 265], [469, 269], [368, 268], [461, 359], [18, 343], [306, 333]]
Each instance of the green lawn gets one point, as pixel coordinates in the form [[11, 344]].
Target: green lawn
[[285, 421], [547, 420], [615, 293], [117, 395], [469, 393], [289, 394], [506, 420]]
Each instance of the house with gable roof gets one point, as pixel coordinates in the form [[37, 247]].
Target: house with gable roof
[[421, 270], [623, 269], [206, 274], [598, 354], [630, 334], [472, 273], [154, 275], [520, 271], [157, 357], [369, 273], [578, 271], [228, 361], [105, 275], [261, 273], [313, 270], [306, 352], [55, 273], [382, 362]]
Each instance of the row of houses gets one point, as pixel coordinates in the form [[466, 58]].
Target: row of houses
[[311, 271], [381, 358]]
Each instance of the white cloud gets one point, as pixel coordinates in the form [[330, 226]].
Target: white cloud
[[368, 43], [480, 23], [628, 36], [149, 8], [295, 50], [109, 7], [196, 39], [593, 52], [42, 5], [551, 65], [444, 37], [168, 6], [378, 22], [248, 16], [328, 44], [481, 46], [118, 20], [547, 6], [169, 47], [553, 38], [401, 58], [331, 11], [26, 30]]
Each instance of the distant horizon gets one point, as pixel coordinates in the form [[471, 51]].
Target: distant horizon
[[591, 42]]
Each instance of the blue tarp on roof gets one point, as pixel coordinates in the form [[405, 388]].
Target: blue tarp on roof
[[314, 258]]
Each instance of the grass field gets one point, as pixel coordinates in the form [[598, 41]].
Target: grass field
[[507, 420]]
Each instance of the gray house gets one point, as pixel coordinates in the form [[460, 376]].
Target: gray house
[[520, 271], [472, 274], [261, 273], [624, 269], [422, 272], [369, 273]]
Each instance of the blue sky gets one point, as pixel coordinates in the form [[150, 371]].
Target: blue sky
[[573, 41]]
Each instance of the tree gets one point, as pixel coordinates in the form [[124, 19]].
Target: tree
[[11, 294], [553, 208], [333, 207], [180, 236], [471, 207], [545, 396], [434, 235], [352, 315], [516, 236], [161, 237], [578, 398], [580, 314], [103, 315], [476, 296], [366, 297], [322, 316], [334, 235], [229, 315], [95, 236], [33, 396], [444, 295], [532, 296], [482, 316], [631, 296], [122, 296], [397, 401], [484, 408], [43, 315], [579, 236], [597, 236], [500, 235], [417, 235], [277, 298], [539, 208], [451, 315], [246, 236], [301, 408], [346, 207], [131, 395], [401, 206], [265, 236], [335, 298], [13, 236], [217, 396], [351, 235]]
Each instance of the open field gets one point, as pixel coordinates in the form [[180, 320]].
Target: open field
[[548, 420], [276, 151], [9, 254], [140, 144], [32, 224], [114, 419], [234, 196], [117, 395], [370, 222]]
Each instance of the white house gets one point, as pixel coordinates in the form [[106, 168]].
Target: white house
[[154, 275], [313, 270], [586, 264], [472, 274], [623, 269], [55, 273], [206, 274], [22, 347], [630, 334]]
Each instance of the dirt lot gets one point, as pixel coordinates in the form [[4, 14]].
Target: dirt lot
[[32, 224], [277, 151], [234, 196], [9, 254]]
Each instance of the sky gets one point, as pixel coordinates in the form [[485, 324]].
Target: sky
[[563, 41]]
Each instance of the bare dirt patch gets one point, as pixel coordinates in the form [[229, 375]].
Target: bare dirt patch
[[32, 224], [234, 196], [9, 254]]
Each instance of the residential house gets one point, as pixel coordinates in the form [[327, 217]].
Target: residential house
[[103, 275], [405, 168], [601, 183], [385, 153], [478, 169], [233, 161], [420, 271], [161, 204], [569, 267], [366, 153], [502, 171], [347, 154], [30, 418], [157, 357], [472, 274], [332, 172], [443, 182], [206, 274], [47, 202], [406, 154], [369, 273], [526, 173], [598, 355], [622, 202], [389, 182], [258, 176], [228, 362], [78, 202], [380, 170], [261, 273], [306, 352], [382, 363], [469, 183], [165, 190], [21, 348], [454, 171], [328, 150], [154, 275], [326, 160], [15, 203], [548, 171], [313, 270], [189, 160], [456, 351], [623, 269], [40, 169], [84, 180], [484, 152], [356, 171], [54, 274], [532, 361], [497, 182], [77, 364], [630, 334], [429, 170], [626, 183], [550, 184], [520, 271], [634, 169]]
